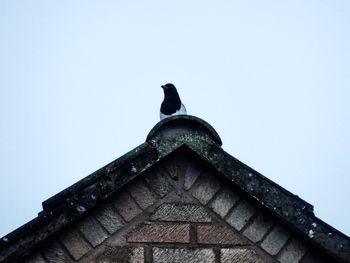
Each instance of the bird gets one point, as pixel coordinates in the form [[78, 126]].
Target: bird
[[171, 104]]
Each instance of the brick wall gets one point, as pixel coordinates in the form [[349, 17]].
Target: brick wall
[[176, 212]]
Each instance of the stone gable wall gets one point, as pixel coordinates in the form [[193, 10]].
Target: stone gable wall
[[176, 212]]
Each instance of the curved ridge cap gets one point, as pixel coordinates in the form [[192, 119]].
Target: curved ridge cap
[[181, 119]]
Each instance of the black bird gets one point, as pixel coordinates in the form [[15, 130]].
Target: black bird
[[171, 104]]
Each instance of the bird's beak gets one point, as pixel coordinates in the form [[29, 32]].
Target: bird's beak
[[163, 87]]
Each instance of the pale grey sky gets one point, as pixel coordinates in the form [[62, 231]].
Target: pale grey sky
[[80, 86]]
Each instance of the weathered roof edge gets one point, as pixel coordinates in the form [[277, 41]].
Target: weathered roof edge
[[69, 205], [295, 215], [167, 136]]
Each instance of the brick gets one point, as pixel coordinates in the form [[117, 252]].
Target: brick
[[275, 240], [142, 194], [92, 231], [258, 228], [55, 253], [192, 173], [34, 258], [109, 218], [207, 187], [126, 206], [224, 201], [137, 255], [210, 234], [181, 212], [159, 183], [240, 215], [175, 167], [293, 252], [111, 254], [183, 255], [238, 255], [165, 233], [74, 243]]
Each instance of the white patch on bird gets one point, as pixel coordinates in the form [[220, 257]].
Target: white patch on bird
[[181, 111]]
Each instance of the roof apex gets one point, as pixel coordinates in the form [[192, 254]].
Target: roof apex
[[177, 130]]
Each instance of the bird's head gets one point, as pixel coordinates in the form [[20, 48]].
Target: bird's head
[[169, 89]]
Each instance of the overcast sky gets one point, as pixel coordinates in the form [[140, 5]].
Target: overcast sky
[[80, 86]]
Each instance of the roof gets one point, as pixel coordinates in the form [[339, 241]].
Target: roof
[[187, 133]]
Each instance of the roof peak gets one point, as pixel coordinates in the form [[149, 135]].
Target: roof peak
[[177, 130]]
